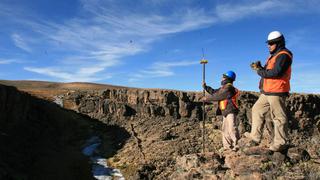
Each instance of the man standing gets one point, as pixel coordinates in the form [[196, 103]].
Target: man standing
[[226, 96], [274, 87]]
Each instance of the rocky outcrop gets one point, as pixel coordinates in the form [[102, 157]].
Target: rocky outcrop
[[131, 102], [303, 110], [144, 109]]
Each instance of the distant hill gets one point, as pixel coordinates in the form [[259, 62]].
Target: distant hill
[[24, 84], [47, 90]]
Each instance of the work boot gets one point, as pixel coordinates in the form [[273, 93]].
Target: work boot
[[252, 142], [247, 135], [279, 148]]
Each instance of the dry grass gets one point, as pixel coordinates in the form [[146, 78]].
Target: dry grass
[[54, 85], [47, 90]]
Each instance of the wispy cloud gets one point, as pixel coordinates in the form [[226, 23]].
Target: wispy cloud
[[303, 40], [9, 61], [106, 32], [229, 12], [106, 36], [20, 42], [242, 9], [84, 75], [160, 69]]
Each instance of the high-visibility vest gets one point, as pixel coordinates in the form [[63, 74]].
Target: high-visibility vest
[[223, 104], [279, 84]]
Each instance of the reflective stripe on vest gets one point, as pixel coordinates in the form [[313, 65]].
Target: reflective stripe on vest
[[277, 85], [223, 104]]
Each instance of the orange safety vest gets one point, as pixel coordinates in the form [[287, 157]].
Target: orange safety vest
[[223, 104], [280, 84]]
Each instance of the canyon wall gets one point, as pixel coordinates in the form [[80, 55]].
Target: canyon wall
[[40, 140]]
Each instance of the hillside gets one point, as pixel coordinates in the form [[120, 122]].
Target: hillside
[[47, 90], [165, 133]]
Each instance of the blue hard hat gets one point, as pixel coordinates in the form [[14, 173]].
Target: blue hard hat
[[231, 75]]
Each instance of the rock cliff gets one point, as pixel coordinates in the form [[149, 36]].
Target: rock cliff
[[40, 140]]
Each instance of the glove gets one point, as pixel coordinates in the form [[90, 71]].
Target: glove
[[256, 66]]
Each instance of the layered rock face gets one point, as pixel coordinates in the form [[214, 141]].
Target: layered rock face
[[303, 110], [119, 103]]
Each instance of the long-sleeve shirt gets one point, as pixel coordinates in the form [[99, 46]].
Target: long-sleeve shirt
[[225, 92], [283, 62]]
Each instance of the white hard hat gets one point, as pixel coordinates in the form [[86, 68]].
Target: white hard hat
[[275, 36]]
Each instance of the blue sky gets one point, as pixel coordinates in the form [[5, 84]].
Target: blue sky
[[155, 43]]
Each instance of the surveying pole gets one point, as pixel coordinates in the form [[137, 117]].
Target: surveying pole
[[203, 62]]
